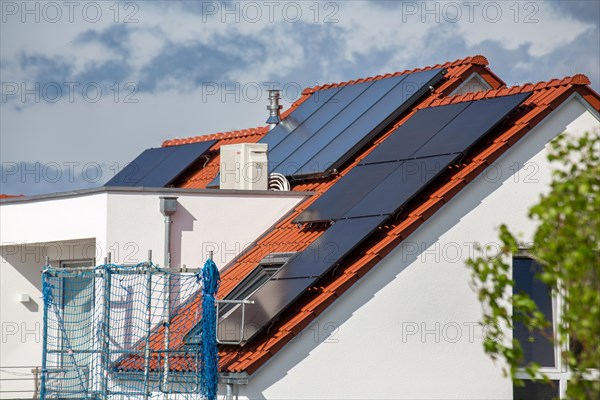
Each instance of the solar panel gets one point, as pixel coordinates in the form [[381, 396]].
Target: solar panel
[[330, 121], [337, 241], [276, 135], [292, 280], [329, 110], [376, 117], [140, 166], [401, 186], [324, 133], [432, 132], [471, 125], [159, 167], [175, 164], [344, 195], [404, 142]]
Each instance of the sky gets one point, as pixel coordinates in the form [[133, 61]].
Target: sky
[[87, 86]]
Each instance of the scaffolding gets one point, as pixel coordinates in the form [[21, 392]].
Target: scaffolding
[[108, 333]]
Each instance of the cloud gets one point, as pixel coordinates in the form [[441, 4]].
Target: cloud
[[189, 66], [183, 45], [105, 74], [175, 48], [115, 38], [588, 11], [44, 69]]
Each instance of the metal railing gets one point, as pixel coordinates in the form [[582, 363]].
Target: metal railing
[[242, 323], [20, 382]]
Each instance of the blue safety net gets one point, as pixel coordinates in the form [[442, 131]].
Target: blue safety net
[[113, 332]]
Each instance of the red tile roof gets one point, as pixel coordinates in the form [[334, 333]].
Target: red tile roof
[[288, 236], [221, 137]]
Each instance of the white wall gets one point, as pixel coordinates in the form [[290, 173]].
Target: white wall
[[408, 329], [224, 223], [21, 323], [54, 220]]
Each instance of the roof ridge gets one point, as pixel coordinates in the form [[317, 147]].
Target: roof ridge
[[216, 136], [474, 60], [575, 80]]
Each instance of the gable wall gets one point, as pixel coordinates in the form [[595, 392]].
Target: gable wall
[[408, 330]]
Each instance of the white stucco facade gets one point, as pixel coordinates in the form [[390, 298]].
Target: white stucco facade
[[126, 223], [409, 328]]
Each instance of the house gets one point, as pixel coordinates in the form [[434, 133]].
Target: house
[[365, 293]]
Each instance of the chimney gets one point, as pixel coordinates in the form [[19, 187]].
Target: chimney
[[273, 108]]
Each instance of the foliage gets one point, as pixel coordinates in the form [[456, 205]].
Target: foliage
[[566, 245]]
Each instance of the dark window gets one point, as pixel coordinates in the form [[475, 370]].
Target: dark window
[[536, 391], [537, 345], [251, 284]]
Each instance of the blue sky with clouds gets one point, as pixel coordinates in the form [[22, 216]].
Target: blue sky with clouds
[[86, 86]]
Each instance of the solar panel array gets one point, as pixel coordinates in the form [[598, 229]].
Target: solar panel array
[[337, 242], [326, 129], [159, 167], [298, 274], [407, 161], [390, 176]]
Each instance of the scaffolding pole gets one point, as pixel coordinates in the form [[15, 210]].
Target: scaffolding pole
[[148, 327], [45, 331], [167, 325], [167, 302], [106, 329]]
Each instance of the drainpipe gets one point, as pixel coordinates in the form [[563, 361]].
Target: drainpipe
[[229, 392], [168, 207], [232, 382]]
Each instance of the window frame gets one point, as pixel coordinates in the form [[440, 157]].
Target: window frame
[[62, 359], [269, 266], [560, 372]]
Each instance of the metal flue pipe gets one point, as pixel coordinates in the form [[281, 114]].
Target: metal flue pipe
[[274, 108]]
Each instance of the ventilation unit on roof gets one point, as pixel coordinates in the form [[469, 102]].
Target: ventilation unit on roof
[[244, 166]]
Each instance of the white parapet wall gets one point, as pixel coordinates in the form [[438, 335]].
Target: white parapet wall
[[85, 226]]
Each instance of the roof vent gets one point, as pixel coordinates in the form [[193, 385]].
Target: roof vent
[[273, 107]]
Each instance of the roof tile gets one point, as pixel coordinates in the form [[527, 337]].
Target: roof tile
[[448, 190], [320, 303], [342, 284], [493, 152], [300, 321], [513, 134]]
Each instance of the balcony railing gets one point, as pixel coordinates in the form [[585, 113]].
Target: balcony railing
[[22, 382]]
